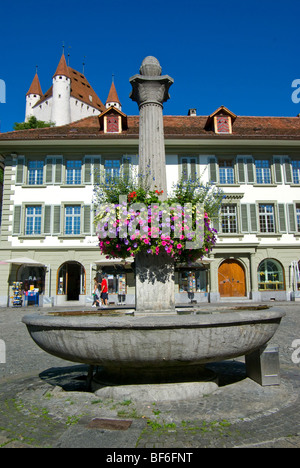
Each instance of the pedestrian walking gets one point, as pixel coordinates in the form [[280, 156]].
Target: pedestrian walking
[[104, 291]]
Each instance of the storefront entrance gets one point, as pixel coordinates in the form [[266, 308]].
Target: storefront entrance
[[71, 281], [231, 278]]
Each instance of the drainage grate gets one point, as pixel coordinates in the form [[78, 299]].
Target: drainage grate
[[109, 424]]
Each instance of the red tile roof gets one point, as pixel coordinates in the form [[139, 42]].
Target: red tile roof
[[112, 95], [35, 87], [80, 87], [62, 68], [181, 127]]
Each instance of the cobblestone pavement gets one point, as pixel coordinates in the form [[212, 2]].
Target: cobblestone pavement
[[44, 402]]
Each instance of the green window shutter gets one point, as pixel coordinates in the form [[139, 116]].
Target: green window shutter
[[88, 170], [216, 223], [184, 169], [126, 166], [244, 219], [47, 219], [193, 169], [17, 220], [97, 168], [57, 219], [49, 166], [20, 170], [87, 219], [250, 170], [241, 170], [288, 171], [213, 170], [253, 219], [292, 218], [58, 170], [281, 218], [277, 170]]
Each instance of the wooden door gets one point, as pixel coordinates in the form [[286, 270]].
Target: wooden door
[[231, 277]]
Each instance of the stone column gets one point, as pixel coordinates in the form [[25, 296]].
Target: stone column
[[150, 91], [155, 288]]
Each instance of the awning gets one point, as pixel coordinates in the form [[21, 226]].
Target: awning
[[113, 261], [197, 263], [24, 261]]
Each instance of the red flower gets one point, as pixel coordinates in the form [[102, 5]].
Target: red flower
[[131, 196]]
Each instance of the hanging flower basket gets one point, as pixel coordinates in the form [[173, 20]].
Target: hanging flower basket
[[131, 220]]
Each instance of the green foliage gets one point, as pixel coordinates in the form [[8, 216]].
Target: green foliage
[[32, 122]]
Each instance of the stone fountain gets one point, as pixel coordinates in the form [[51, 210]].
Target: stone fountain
[[155, 346]]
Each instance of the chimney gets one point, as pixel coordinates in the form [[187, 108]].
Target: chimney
[[192, 112]]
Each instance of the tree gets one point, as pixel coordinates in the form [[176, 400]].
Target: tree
[[32, 122]]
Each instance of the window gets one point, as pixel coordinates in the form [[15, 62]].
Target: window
[[189, 171], [32, 276], [112, 169], [298, 217], [72, 219], [266, 218], [226, 172], [35, 172], [33, 220], [296, 172], [112, 123], [263, 172], [73, 172], [270, 276], [223, 124], [228, 219], [192, 281]]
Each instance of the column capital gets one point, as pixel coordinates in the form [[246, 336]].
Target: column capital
[[150, 87]]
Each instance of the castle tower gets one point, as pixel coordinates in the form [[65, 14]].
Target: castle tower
[[61, 92], [33, 96], [112, 98]]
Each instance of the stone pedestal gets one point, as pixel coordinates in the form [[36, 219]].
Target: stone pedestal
[[155, 288]]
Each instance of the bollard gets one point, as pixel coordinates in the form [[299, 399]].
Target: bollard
[[263, 367]]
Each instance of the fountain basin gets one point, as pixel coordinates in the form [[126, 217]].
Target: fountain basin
[[128, 345]]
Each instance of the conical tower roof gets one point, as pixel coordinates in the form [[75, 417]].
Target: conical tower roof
[[62, 68], [113, 95], [35, 87]]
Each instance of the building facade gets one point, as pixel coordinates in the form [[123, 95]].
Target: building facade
[[48, 239]]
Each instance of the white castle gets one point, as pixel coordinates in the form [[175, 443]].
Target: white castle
[[69, 99]]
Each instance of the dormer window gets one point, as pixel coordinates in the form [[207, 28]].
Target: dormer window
[[222, 124], [221, 121], [112, 123]]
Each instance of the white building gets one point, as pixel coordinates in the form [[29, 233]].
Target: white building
[[48, 191]]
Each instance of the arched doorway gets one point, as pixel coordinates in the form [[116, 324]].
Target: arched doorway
[[232, 279], [71, 280]]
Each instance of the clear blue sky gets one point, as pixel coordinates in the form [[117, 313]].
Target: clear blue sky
[[244, 55]]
